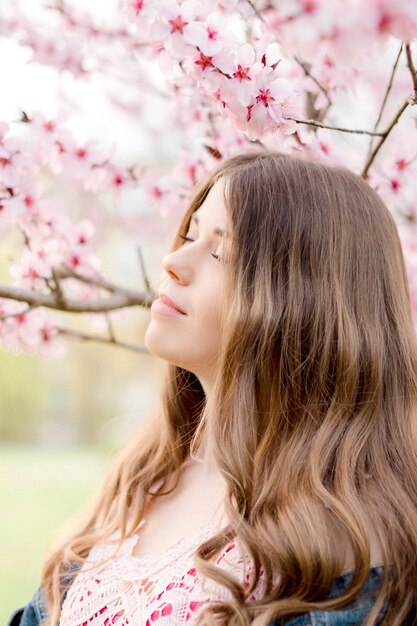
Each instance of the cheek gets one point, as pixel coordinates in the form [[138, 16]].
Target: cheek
[[208, 307], [209, 316]]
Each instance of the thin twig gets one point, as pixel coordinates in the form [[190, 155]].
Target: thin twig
[[256, 11], [307, 72], [64, 271], [75, 334], [339, 128], [413, 72], [383, 139], [146, 280], [110, 328], [389, 86], [387, 92]]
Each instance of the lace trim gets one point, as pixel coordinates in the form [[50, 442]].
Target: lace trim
[[129, 590]]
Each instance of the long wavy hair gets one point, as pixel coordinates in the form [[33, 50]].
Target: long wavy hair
[[312, 418]]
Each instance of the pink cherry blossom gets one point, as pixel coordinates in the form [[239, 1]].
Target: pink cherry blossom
[[80, 235], [399, 19], [31, 272], [82, 261], [319, 145], [16, 333], [156, 189], [50, 129], [273, 105], [44, 222], [210, 35], [173, 25], [78, 158], [13, 161], [241, 69], [25, 198], [48, 342]]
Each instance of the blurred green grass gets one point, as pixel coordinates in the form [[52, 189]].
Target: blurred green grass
[[40, 490]]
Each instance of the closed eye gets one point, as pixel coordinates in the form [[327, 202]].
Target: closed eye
[[184, 238]]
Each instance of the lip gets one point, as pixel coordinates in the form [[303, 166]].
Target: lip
[[167, 302]]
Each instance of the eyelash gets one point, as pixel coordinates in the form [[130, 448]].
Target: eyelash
[[216, 256]]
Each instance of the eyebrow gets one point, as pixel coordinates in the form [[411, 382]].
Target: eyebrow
[[216, 231]]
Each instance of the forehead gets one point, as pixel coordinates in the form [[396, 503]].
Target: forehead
[[212, 212]]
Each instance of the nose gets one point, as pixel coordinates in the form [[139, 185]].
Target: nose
[[177, 268]]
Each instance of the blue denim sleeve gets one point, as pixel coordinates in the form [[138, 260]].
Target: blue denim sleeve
[[353, 615], [33, 614], [330, 618], [35, 611]]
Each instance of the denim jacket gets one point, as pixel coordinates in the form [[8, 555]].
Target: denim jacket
[[354, 615]]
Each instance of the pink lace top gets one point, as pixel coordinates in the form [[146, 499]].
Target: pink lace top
[[140, 591], [136, 591]]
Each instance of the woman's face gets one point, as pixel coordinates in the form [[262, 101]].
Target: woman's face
[[192, 279]]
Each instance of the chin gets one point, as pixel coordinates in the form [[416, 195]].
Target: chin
[[152, 339], [157, 344]]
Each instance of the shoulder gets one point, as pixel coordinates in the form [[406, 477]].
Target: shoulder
[[32, 614], [35, 611], [354, 614]]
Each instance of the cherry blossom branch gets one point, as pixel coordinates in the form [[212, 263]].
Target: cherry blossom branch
[[121, 298], [339, 128], [413, 72], [57, 289], [305, 67], [389, 86], [384, 138], [387, 92], [256, 11], [75, 334], [110, 329], [143, 270], [64, 271]]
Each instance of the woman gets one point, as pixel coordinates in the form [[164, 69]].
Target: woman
[[277, 483]]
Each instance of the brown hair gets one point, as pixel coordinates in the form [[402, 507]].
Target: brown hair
[[312, 419]]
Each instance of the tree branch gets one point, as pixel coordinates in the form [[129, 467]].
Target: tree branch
[[75, 334], [110, 329], [384, 101], [305, 67], [256, 11], [383, 138], [57, 289], [389, 86], [339, 128], [413, 72], [64, 271], [146, 280], [120, 299]]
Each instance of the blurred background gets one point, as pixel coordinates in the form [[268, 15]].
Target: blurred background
[[62, 421]]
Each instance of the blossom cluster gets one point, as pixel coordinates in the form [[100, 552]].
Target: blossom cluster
[[49, 237], [232, 75]]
